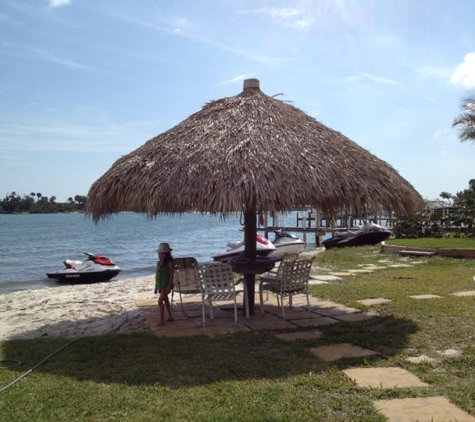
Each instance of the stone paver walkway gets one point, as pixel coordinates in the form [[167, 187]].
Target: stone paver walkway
[[322, 312], [384, 378], [430, 409], [342, 350]]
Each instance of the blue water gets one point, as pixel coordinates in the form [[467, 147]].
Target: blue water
[[33, 244]]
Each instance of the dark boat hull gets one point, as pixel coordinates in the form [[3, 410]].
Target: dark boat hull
[[85, 277], [359, 238]]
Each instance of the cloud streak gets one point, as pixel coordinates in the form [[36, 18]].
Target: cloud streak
[[236, 79], [287, 17], [177, 27], [46, 56]]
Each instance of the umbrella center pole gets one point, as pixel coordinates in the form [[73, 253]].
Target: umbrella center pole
[[250, 280], [250, 250]]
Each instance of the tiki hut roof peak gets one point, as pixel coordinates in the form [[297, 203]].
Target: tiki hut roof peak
[[250, 153]]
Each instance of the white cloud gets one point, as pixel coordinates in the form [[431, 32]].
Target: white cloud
[[464, 75], [286, 16], [380, 80], [59, 3], [236, 79]]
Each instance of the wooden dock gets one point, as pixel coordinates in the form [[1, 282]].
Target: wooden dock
[[315, 224]]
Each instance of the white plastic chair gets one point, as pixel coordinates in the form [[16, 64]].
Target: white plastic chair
[[185, 280], [292, 278], [217, 284]]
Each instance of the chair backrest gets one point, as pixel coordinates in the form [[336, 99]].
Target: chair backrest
[[216, 277], [287, 259], [294, 275], [186, 280]]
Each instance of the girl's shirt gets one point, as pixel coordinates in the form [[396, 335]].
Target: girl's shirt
[[162, 277]]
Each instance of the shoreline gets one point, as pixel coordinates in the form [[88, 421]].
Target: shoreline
[[73, 311], [13, 286]]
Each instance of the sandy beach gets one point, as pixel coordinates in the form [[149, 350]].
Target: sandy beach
[[75, 311]]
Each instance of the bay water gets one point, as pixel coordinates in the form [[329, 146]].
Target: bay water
[[32, 245]]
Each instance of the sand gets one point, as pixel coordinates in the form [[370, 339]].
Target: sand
[[75, 311]]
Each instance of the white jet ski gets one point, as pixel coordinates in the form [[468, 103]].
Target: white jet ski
[[263, 248], [95, 269], [286, 242]]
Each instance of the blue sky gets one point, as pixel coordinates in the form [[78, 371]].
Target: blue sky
[[84, 82]]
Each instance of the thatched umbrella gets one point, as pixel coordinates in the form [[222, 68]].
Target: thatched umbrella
[[250, 154]]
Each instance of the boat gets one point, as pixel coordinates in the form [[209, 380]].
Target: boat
[[96, 268], [369, 234], [286, 242], [263, 248]]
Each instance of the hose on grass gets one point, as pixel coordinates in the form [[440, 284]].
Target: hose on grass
[[124, 319]]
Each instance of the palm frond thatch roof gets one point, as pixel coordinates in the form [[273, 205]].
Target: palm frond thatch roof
[[250, 153]]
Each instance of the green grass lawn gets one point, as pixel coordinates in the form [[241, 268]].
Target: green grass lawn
[[256, 376], [450, 242]]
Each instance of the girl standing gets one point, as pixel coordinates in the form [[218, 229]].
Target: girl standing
[[164, 281]]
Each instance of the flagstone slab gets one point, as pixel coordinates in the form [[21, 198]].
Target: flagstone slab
[[400, 265], [314, 322], [341, 350], [428, 296], [342, 274], [300, 335], [450, 353], [194, 313], [154, 316], [325, 277], [146, 302], [296, 312], [320, 303], [276, 324], [220, 330], [434, 409], [355, 317], [187, 305], [373, 266], [421, 359], [361, 271], [297, 300], [375, 301], [467, 293], [392, 377], [334, 310], [316, 281]]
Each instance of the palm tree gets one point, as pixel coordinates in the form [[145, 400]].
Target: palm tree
[[447, 196], [466, 120]]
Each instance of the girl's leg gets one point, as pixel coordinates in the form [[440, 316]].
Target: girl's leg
[[169, 309], [162, 309]]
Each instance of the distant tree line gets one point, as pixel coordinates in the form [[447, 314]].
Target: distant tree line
[[456, 217], [461, 216], [36, 203]]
